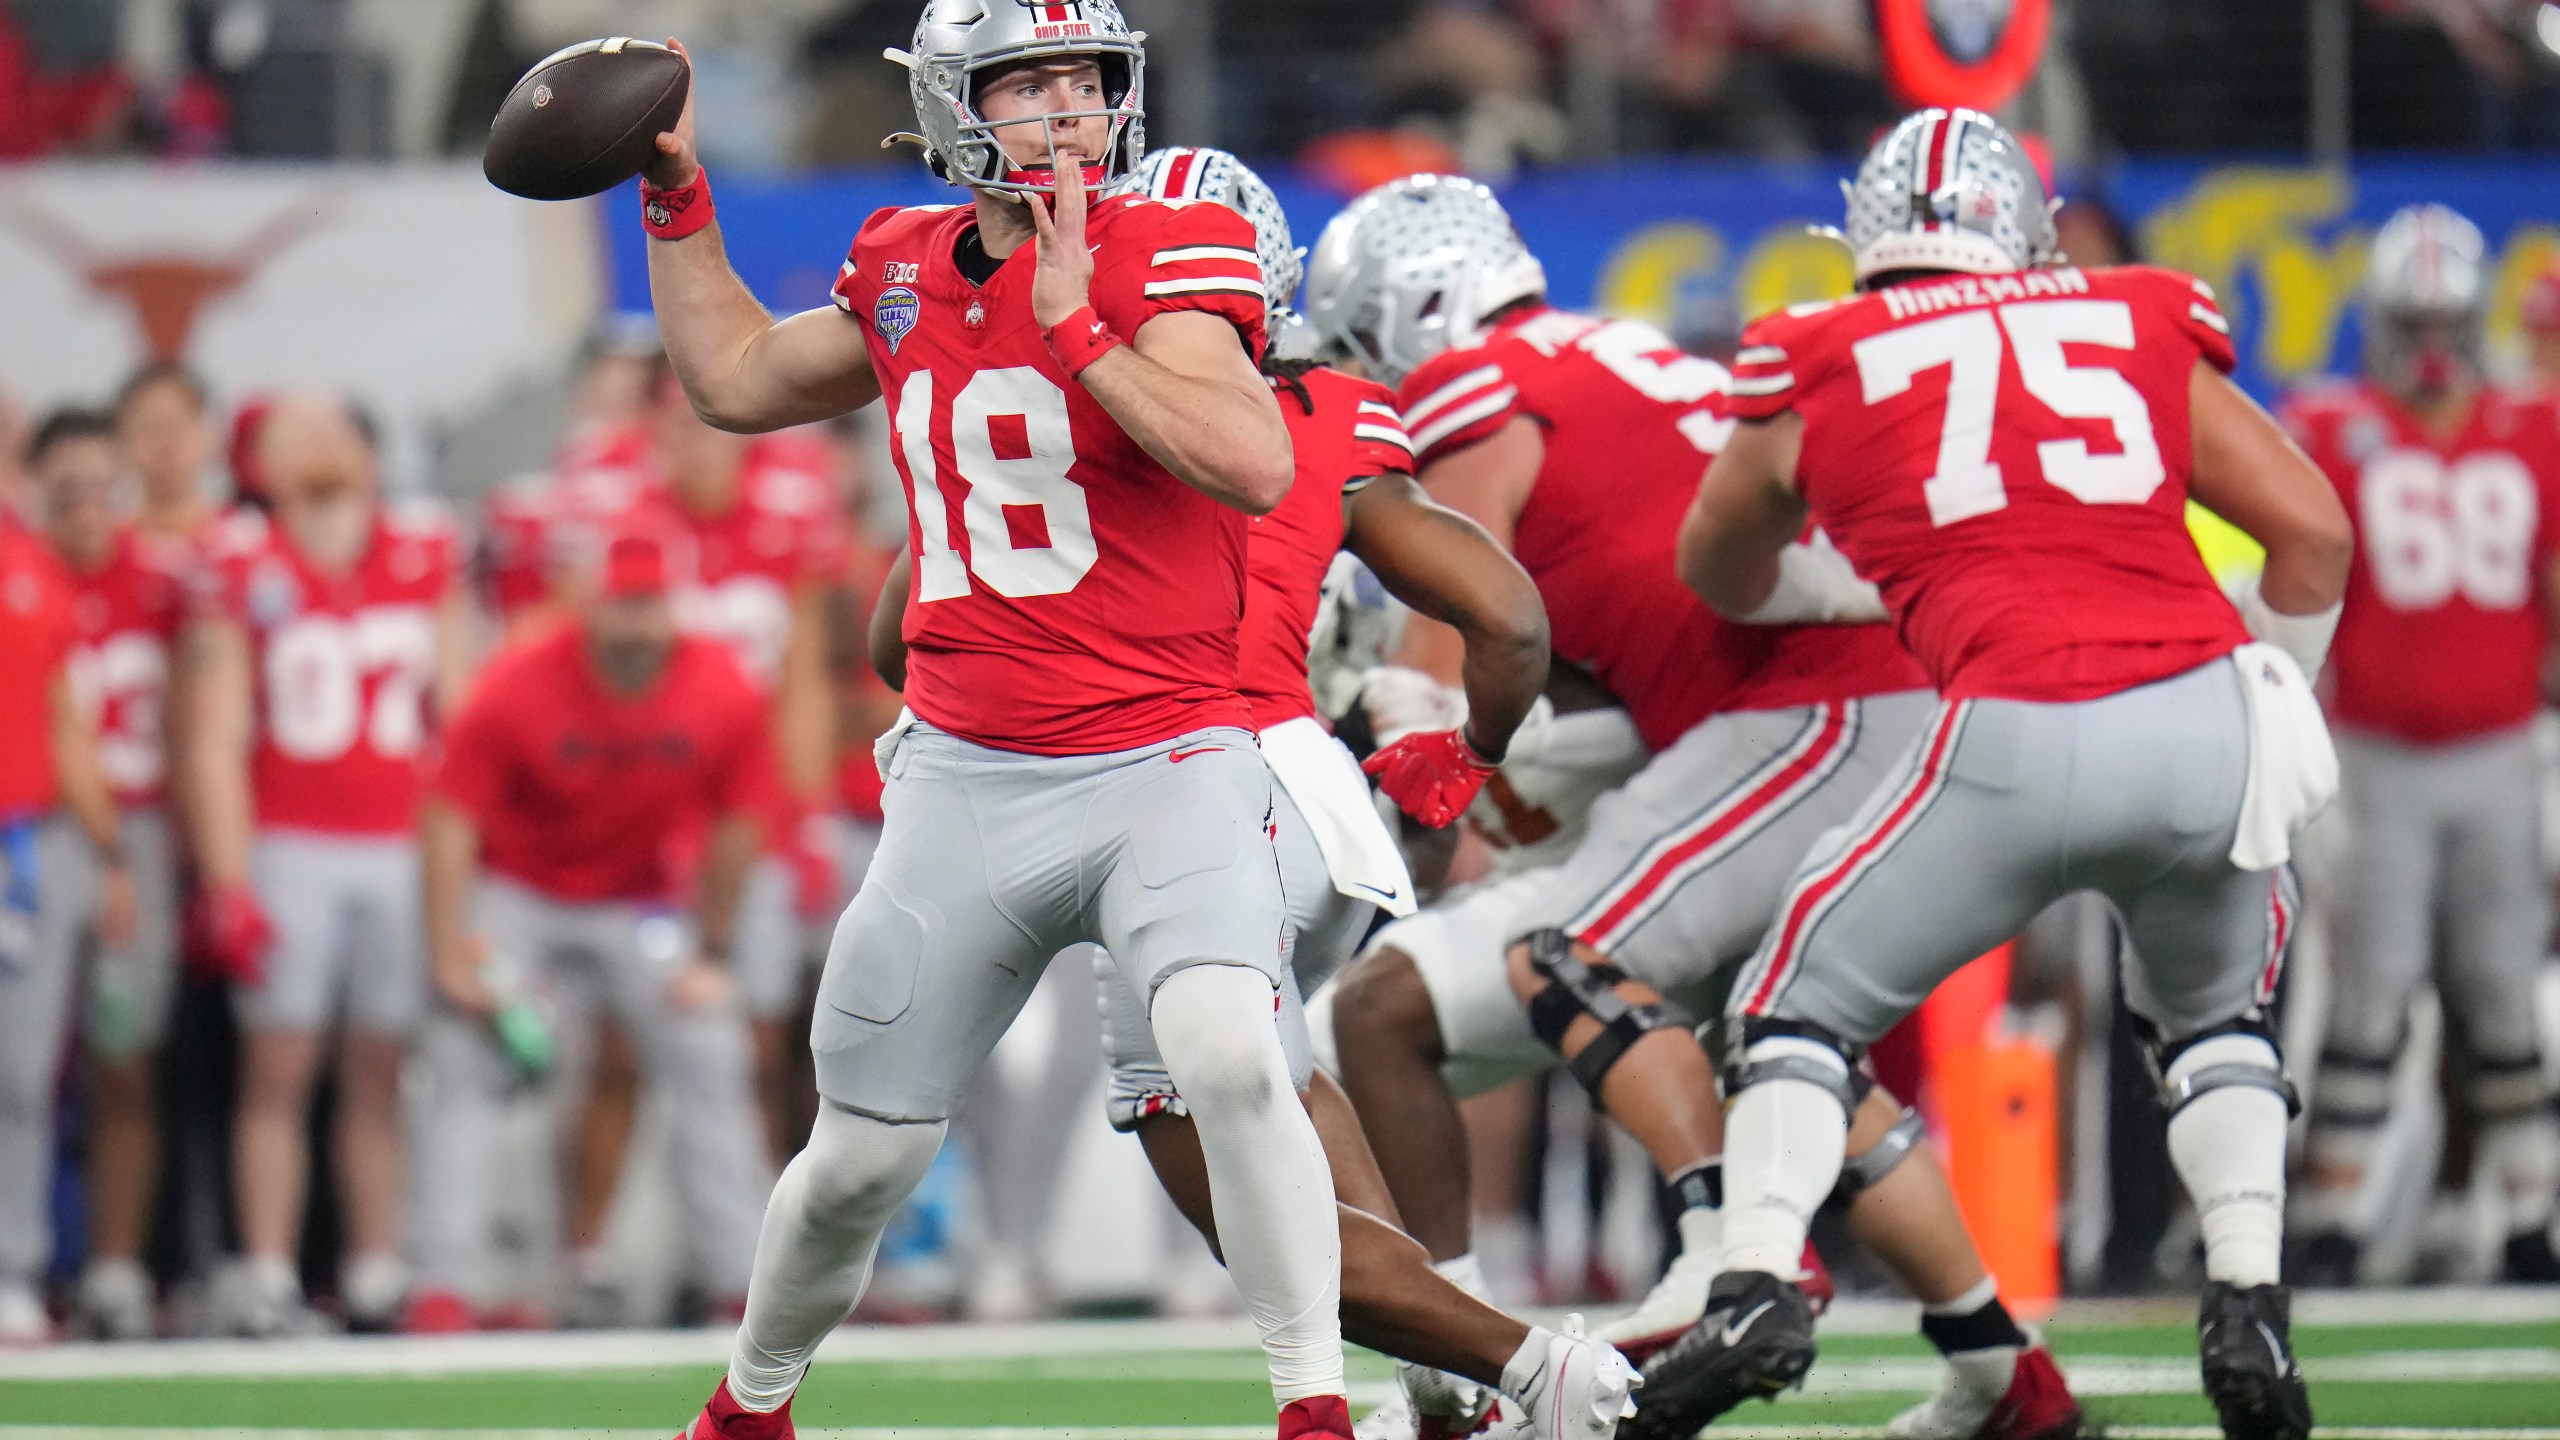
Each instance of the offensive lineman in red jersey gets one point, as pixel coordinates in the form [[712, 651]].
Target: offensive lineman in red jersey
[[2455, 489], [128, 600], [2006, 447], [1082, 431], [329, 638], [1581, 439]]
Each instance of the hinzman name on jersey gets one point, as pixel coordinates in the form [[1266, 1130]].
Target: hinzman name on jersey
[[1906, 301]]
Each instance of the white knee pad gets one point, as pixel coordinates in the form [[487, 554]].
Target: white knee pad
[[856, 1171], [1216, 1027]]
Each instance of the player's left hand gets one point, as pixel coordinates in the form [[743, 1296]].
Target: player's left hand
[[119, 912], [1433, 774], [1062, 283], [700, 986]]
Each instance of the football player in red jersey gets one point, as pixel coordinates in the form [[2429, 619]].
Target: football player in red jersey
[[2005, 446], [2437, 674], [328, 639], [579, 749], [1083, 431], [164, 424], [1780, 730], [55, 890], [127, 604], [2538, 315]]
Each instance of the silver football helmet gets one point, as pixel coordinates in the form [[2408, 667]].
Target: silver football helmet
[[2426, 302], [1187, 172], [1948, 190], [958, 39], [1413, 268]]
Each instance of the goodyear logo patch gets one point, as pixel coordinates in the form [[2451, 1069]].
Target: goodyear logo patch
[[894, 314]]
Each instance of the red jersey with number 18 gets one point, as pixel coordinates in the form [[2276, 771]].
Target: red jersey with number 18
[[1071, 596], [2444, 630], [2006, 457]]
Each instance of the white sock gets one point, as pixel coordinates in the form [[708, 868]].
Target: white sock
[[1463, 1271], [1983, 1293], [1268, 1179], [2228, 1147], [821, 1229], [1783, 1142], [2521, 1155], [1526, 1375]]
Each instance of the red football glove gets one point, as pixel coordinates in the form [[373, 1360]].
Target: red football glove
[[233, 934], [1432, 774]]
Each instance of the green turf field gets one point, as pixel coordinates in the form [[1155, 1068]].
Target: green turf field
[[2435, 1380]]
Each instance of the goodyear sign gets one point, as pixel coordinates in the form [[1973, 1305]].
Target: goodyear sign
[[2283, 245]]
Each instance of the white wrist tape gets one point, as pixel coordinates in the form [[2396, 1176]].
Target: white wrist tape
[[2304, 637], [1818, 586]]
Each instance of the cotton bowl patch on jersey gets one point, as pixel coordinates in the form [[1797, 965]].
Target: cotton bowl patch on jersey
[[894, 314]]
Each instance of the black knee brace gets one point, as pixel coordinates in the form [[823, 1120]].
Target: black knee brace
[[1864, 1169], [2507, 1089], [1574, 990], [2164, 1053]]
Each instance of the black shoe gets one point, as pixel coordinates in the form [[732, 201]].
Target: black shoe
[[1755, 1339], [2244, 1338], [2530, 1259], [2327, 1259]]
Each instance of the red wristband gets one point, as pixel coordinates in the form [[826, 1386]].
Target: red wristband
[[674, 214], [1081, 339]]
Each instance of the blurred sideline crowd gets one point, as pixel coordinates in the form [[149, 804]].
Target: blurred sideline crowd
[[1489, 84], [288, 767]]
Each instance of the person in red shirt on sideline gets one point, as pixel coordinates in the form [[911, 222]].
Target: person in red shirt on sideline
[[754, 546], [127, 601], [547, 884], [164, 425], [2454, 485], [328, 638], [53, 887]]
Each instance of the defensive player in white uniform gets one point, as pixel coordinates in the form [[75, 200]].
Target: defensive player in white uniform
[[1082, 432]]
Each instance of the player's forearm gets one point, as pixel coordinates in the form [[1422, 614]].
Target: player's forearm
[[449, 852], [804, 711], [1229, 444], [220, 812], [886, 626], [84, 785], [1451, 572], [735, 843], [2247, 470], [222, 816]]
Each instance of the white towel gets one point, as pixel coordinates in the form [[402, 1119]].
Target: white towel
[[1330, 791], [2293, 769]]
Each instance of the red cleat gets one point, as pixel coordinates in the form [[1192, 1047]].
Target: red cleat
[[1317, 1417], [437, 1312], [1816, 1281], [2003, 1393], [725, 1419], [2039, 1405]]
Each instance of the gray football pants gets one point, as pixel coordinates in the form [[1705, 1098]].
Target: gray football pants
[[578, 959], [37, 975], [2001, 807], [992, 861], [2442, 877]]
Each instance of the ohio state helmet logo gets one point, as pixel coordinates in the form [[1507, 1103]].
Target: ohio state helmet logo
[[1068, 12]]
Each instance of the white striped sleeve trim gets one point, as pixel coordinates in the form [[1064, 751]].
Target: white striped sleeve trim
[[1764, 384], [2207, 315], [1213, 285], [1421, 411], [1187, 254], [1385, 435], [1492, 403], [1381, 408], [1762, 355]]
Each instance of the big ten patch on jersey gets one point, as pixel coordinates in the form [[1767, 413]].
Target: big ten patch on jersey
[[2443, 634], [1628, 423], [2007, 457], [127, 613], [1071, 596], [343, 661]]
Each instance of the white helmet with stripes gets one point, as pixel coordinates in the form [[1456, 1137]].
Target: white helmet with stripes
[[2426, 301], [958, 41], [1187, 172], [1413, 268], [1948, 190]]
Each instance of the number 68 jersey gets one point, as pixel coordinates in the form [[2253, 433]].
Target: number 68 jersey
[[2443, 634], [1071, 596], [341, 666], [2007, 457]]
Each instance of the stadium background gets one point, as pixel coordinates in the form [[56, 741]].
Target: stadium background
[[305, 210]]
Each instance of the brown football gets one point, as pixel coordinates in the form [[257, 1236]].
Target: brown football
[[586, 119]]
